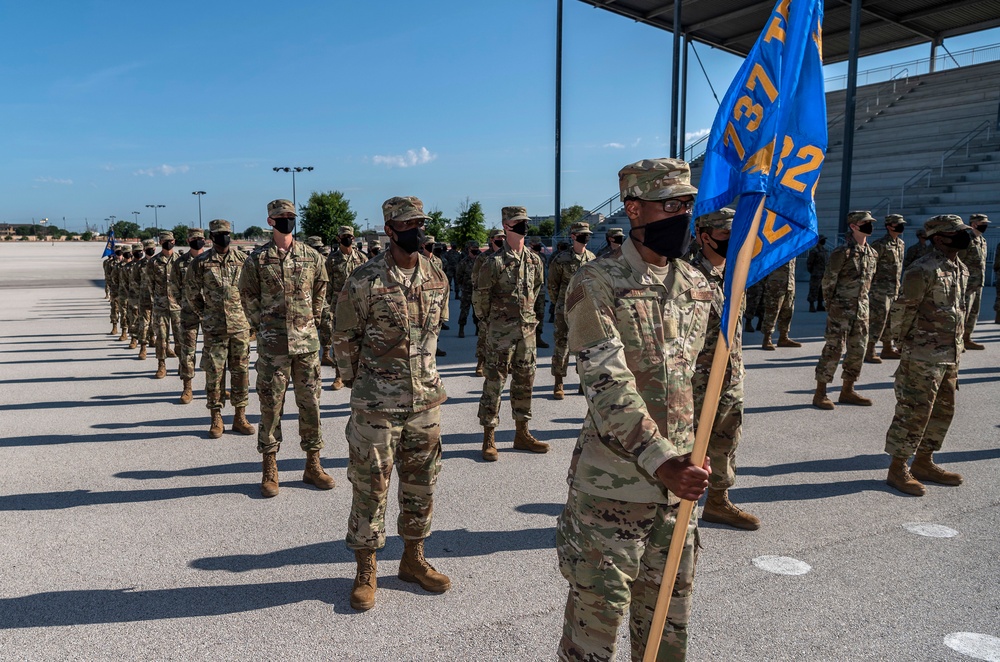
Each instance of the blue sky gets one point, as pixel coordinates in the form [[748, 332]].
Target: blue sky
[[113, 105]]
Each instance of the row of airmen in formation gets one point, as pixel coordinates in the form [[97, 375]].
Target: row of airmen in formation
[[642, 321]]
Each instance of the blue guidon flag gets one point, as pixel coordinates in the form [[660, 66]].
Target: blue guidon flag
[[109, 248], [768, 142]]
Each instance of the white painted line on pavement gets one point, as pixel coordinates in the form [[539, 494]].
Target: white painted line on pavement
[[782, 565], [930, 530], [974, 645]]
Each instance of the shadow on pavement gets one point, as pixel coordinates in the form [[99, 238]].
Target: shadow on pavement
[[807, 491], [552, 509], [877, 462], [290, 465], [77, 498]]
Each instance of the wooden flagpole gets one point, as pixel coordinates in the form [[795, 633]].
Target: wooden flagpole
[[705, 422]]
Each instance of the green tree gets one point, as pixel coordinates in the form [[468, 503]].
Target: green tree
[[323, 215], [180, 233], [255, 232], [438, 226], [470, 224], [87, 236], [571, 215], [125, 230], [547, 228], [150, 233]]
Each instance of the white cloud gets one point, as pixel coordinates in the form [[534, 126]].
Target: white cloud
[[411, 158], [694, 135], [614, 145], [165, 170], [635, 143], [54, 180]]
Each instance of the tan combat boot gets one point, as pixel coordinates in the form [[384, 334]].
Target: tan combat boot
[[161, 370], [314, 474], [820, 399], [142, 352], [557, 390], [414, 568], [365, 583], [720, 510], [785, 341], [337, 384], [767, 343], [489, 446], [923, 468], [972, 344], [325, 359], [524, 441], [870, 356], [171, 354], [186, 394], [900, 478], [114, 330], [889, 352], [133, 343], [479, 368], [241, 424], [848, 396], [215, 431], [269, 483], [123, 336]]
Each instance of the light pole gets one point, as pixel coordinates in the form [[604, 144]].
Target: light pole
[[293, 170], [135, 215], [199, 194], [156, 217]]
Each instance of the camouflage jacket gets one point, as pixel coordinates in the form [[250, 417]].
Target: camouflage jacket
[[135, 281], [782, 278], [849, 275], [505, 291], [108, 264], [451, 260], [211, 286], [339, 267], [889, 266], [121, 277], [189, 318], [974, 258], [284, 298], [463, 274], [111, 276], [561, 270], [816, 261], [386, 333], [164, 279], [735, 371], [915, 252], [928, 318], [637, 334]]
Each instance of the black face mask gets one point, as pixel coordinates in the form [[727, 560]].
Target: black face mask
[[670, 237], [866, 228], [498, 243], [197, 244], [822, 242], [168, 245], [346, 241], [722, 246], [475, 251], [373, 251], [284, 225], [897, 228], [537, 248], [150, 252], [521, 228], [616, 240], [961, 240], [582, 239], [410, 240], [221, 240], [118, 253], [981, 228]]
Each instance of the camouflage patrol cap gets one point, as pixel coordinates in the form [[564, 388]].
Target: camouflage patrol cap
[[149, 243], [125, 248], [859, 217], [137, 246], [514, 214], [471, 244], [895, 219], [921, 234], [373, 244], [497, 232], [403, 208], [280, 206], [580, 228], [429, 239], [196, 234], [166, 236], [981, 218], [533, 239], [717, 220], [615, 232], [220, 225], [315, 242], [656, 179], [345, 230], [944, 223]]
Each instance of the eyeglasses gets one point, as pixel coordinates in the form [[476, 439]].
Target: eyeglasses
[[399, 226], [673, 205]]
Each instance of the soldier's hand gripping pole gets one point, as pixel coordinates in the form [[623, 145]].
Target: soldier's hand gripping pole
[[708, 410]]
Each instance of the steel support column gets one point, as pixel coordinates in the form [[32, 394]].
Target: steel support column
[[674, 92], [851, 101], [559, 31], [682, 132]]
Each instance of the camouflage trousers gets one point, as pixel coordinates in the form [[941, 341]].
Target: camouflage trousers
[[123, 316], [463, 315], [925, 405], [326, 327], [540, 311], [273, 374], [517, 358], [560, 355], [115, 310], [755, 301], [726, 430], [232, 350], [844, 326], [879, 305], [141, 323], [815, 289], [376, 442], [483, 329], [166, 323], [187, 345], [133, 319], [779, 304], [975, 300], [613, 553]]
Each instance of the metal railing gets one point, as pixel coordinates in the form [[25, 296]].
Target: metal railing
[[883, 92], [966, 58], [929, 169], [698, 146]]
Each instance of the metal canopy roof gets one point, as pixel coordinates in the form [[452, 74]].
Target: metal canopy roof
[[733, 25]]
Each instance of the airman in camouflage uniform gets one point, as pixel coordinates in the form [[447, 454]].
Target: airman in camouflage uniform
[[637, 323], [140, 300], [463, 279], [614, 237], [506, 288], [283, 290], [996, 283], [389, 314], [561, 270], [754, 302], [210, 286], [374, 249], [106, 265], [163, 276], [326, 319], [495, 243], [122, 281], [190, 319], [111, 286], [451, 259], [430, 250], [974, 258], [779, 305], [536, 245], [890, 251], [917, 250], [845, 287], [713, 232], [339, 266], [816, 266], [928, 321]]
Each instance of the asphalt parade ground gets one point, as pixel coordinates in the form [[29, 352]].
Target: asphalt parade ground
[[128, 534]]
